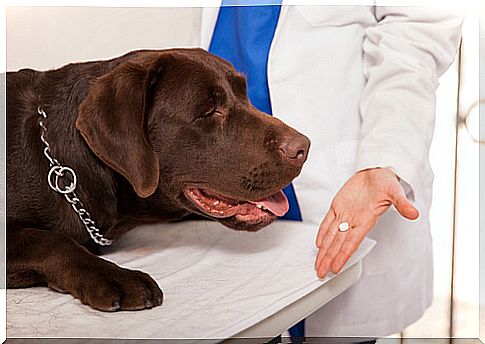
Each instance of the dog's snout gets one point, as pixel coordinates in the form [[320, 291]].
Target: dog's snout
[[295, 148]]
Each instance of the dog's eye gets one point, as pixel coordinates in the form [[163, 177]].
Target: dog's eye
[[219, 112], [209, 113]]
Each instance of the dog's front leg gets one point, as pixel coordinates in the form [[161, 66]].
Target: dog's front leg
[[43, 257]]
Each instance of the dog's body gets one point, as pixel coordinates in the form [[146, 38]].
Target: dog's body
[[152, 136]]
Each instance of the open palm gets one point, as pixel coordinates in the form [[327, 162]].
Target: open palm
[[360, 202]]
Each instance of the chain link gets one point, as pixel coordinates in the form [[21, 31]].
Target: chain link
[[56, 173]]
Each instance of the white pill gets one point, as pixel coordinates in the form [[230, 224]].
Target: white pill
[[343, 227]]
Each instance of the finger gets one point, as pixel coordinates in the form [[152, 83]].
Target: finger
[[329, 238], [329, 217], [326, 242], [351, 244], [403, 205], [319, 258], [332, 252]]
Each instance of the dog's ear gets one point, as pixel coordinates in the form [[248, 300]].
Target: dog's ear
[[111, 120]]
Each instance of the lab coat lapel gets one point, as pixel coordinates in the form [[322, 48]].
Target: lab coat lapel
[[208, 23]]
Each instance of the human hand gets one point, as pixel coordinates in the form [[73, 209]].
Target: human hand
[[360, 202]]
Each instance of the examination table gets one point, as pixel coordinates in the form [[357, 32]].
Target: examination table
[[218, 284]]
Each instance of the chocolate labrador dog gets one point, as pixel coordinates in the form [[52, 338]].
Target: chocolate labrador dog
[[147, 137]]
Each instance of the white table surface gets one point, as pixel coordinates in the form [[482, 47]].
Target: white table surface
[[217, 283]]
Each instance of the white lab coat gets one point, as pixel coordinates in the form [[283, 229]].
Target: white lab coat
[[360, 82]]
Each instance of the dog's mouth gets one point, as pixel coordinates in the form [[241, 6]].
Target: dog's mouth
[[249, 212]]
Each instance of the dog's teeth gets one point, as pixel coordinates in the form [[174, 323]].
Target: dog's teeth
[[216, 203], [264, 208], [259, 206]]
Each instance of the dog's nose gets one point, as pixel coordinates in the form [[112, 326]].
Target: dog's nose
[[295, 148]]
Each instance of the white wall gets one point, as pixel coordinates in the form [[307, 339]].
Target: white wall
[[49, 37]]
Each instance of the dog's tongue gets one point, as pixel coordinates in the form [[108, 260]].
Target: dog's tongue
[[277, 203]]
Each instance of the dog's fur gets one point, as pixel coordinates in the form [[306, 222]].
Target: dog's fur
[[138, 130]]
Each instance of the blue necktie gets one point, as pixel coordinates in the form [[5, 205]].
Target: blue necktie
[[243, 36]]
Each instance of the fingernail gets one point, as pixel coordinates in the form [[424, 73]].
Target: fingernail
[[336, 265], [323, 271], [336, 269]]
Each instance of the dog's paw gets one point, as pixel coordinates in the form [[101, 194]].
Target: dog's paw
[[110, 288]]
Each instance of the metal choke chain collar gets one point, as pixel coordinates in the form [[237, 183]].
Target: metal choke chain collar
[[58, 178]]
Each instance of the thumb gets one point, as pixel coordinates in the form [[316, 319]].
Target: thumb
[[402, 204]]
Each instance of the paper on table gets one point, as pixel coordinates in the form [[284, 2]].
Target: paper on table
[[216, 282]]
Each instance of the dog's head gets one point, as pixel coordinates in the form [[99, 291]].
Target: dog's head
[[180, 121]]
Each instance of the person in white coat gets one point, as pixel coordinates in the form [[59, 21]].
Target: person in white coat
[[360, 81]]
